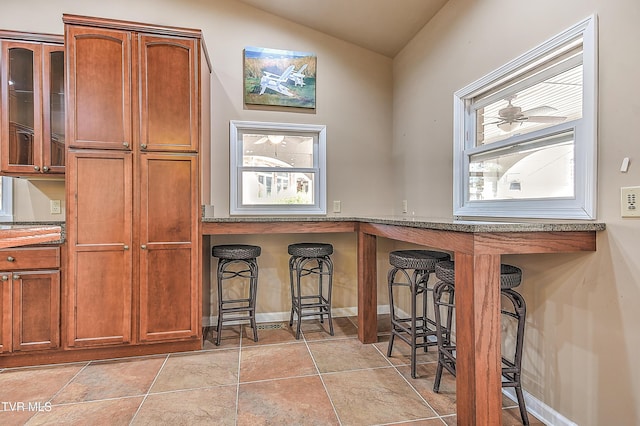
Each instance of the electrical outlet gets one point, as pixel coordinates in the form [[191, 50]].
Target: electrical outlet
[[55, 207], [405, 206], [629, 201], [337, 206]]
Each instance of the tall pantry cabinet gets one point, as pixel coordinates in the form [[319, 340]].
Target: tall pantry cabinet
[[137, 120]]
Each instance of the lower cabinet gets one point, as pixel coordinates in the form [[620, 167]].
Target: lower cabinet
[[29, 299], [133, 251]]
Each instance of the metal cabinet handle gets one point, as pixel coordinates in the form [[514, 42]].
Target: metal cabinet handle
[[45, 169], [36, 168], [143, 146], [16, 277], [126, 247], [125, 144], [10, 259], [5, 278], [143, 246]]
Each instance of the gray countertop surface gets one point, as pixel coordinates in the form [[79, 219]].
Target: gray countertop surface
[[428, 223]]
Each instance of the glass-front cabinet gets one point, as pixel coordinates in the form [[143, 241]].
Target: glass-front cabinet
[[32, 140]]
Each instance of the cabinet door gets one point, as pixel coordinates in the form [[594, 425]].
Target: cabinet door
[[169, 255], [5, 312], [99, 76], [53, 132], [36, 310], [169, 107], [99, 229], [22, 108]]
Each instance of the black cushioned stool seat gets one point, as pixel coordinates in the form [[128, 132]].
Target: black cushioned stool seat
[[510, 277], [310, 260], [237, 262], [410, 271]]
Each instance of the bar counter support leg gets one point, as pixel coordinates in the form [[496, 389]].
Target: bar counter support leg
[[478, 388], [367, 289]]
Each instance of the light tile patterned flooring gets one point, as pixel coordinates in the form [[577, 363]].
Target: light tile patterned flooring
[[317, 380]]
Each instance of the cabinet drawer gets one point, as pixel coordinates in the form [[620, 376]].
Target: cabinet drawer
[[29, 258]]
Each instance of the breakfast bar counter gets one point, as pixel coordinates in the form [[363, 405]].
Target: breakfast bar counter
[[477, 248]]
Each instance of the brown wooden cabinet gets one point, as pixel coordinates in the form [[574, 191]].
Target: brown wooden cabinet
[[32, 138], [30, 299], [99, 234], [133, 182]]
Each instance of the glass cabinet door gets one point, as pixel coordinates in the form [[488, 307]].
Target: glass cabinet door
[[53, 109], [23, 106], [33, 123]]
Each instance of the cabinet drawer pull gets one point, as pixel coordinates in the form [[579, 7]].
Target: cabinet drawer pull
[[125, 144], [36, 168], [5, 278], [16, 277], [126, 247], [10, 259], [143, 146], [45, 169], [143, 247]]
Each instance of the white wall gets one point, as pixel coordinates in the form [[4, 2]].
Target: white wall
[[583, 344]]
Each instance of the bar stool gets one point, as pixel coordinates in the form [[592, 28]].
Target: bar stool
[[510, 277], [237, 261], [411, 269], [308, 260]]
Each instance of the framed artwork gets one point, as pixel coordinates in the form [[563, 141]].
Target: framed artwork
[[279, 77]]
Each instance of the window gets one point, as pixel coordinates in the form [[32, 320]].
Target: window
[[525, 135], [277, 168], [6, 199]]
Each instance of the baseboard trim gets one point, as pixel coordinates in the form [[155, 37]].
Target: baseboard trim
[[539, 409], [284, 316]]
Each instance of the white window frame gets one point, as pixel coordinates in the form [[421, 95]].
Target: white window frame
[[318, 132], [6, 212], [583, 204]]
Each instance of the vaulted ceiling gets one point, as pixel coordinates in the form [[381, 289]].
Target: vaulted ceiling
[[383, 26]]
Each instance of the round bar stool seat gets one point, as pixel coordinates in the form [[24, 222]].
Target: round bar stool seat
[[308, 260], [410, 269], [237, 261], [510, 277]]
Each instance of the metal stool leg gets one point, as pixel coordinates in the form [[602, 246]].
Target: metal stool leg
[[512, 371], [253, 288]]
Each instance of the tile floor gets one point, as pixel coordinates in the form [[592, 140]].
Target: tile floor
[[317, 380]]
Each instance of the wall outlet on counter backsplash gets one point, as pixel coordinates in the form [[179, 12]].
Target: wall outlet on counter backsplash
[[55, 207]]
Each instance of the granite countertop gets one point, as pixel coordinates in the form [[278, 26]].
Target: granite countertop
[[12, 235], [445, 224]]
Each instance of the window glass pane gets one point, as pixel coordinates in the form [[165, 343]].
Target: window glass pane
[[277, 187], [278, 150], [555, 100], [534, 169]]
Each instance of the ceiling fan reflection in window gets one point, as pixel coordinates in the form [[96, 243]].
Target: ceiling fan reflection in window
[[511, 117], [272, 139]]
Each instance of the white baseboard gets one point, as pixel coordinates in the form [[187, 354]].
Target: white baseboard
[[284, 316], [542, 411]]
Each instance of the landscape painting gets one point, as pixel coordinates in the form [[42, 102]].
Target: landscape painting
[[279, 77]]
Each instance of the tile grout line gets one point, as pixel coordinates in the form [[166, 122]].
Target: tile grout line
[[149, 390], [321, 379], [238, 379], [69, 381], [409, 383]]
